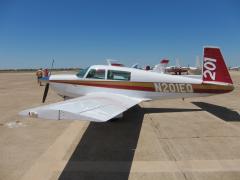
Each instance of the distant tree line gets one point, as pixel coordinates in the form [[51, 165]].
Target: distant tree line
[[33, 70]]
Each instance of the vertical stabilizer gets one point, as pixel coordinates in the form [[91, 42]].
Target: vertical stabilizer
[[214, 67]]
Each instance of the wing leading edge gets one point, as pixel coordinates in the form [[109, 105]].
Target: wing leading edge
[[99, 107]]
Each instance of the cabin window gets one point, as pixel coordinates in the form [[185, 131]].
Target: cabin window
[[82, 72], [119, 75], [96, 74]]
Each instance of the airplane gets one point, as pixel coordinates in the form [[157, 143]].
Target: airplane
[[236, 68], [161, 68], [101, 92], [177, 69], [191, 72], [197, 69]]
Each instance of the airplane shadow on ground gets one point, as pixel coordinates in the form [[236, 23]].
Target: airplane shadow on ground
[[106, 150], [221, 112]]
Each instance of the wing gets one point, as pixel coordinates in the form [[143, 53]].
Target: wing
[[99, 107]]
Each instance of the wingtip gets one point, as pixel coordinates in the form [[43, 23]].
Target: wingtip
[[27, 113]]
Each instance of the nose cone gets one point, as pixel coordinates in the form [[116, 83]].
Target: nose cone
[[63, 77], [56, 77], [44, 79]]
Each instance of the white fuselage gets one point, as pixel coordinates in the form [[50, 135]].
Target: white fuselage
[[176, 86]]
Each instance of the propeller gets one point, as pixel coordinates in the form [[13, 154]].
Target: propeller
[[47, 83], [45, 93]]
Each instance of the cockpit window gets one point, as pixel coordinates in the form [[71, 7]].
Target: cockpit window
[[119, 75], [96, 74], [82, 72]]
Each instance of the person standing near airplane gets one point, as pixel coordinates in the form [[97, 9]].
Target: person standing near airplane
[[39, 75]]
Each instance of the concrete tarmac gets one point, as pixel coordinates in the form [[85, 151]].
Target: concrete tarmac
[[194, 139]]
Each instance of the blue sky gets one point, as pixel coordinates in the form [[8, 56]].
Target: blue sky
[[81, 33]]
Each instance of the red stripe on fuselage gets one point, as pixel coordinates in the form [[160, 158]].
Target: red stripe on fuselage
[[115, 86]]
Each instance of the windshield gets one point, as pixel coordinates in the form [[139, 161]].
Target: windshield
[[82, 72]]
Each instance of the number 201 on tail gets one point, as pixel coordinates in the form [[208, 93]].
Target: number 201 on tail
[[209, 68]]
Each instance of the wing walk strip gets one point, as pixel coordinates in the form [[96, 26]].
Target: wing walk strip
[[145, 86]]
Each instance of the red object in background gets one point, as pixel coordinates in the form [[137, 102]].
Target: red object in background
[[117, 64], [164, 61], [46, 72]]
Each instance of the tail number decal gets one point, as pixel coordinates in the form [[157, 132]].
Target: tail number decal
[[209, 68], [173, 87]]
